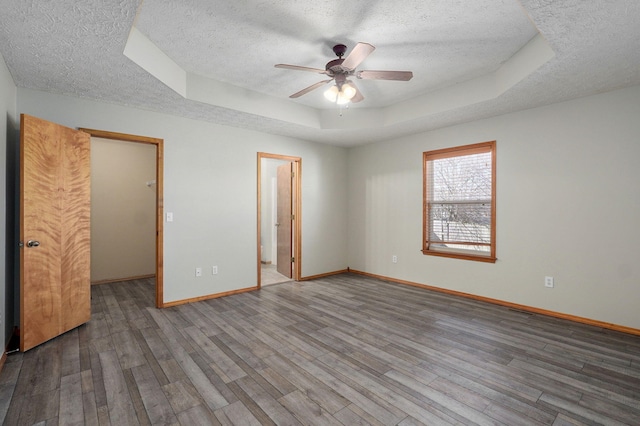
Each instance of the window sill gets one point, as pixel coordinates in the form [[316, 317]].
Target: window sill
[[486, 259]]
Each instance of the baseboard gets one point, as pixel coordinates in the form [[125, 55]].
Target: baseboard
[[326, 274], [242, 290], [118, 280], [207, 297], [581, 320]]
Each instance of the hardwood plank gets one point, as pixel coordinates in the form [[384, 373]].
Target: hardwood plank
[[150, 359], [573, 409], [212, 396], [360, 403], [12, 416], [438, 400], [70, 353], [70, 394], [129, 352], [410, 421], [219, 361], [136, 399], [276, 382], [398, 399], [90, 409], [238, 414], [198, 415], [47, 368], [171, 368], [313, 388], [347, 416], [40, 407], [155, 402], [121, 409], [593, 386], [306, 410], [268, 405], [214, 379], [103, 416], [182, 395], [98, 382], [563, 420]]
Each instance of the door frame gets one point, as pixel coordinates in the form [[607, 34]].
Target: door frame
[[297, 211], [159, 197]]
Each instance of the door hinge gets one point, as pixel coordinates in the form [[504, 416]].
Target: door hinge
[[293, 174], [293, 259], [293, 217]]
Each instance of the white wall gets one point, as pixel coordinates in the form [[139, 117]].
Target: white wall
[[8, 124], [568, 206], [210, 186]]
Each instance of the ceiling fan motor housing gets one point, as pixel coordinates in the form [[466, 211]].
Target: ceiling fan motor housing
[[339, 50], [335, 66]]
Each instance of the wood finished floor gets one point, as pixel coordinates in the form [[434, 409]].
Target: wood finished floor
[[344, 350]]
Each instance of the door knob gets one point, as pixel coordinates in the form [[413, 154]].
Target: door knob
[[33, 243]]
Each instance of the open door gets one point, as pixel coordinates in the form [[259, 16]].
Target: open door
[[284, 219], [159, 189], [55, 292], [287, 172]]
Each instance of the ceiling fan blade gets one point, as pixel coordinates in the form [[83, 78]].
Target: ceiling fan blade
[[310, 88], [385, 75], [358, 54], [300, 68]]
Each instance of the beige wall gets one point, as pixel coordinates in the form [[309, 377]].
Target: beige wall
[[210, 176], [568, 203], [122, 209]]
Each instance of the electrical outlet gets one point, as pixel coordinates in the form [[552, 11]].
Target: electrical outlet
[[394, 258], [198, 272], [214, 270], [548, 282]]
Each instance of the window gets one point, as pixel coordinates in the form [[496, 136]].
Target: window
[[459, 202]]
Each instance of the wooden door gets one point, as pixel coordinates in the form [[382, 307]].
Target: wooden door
[[284, 219], [55, 292]]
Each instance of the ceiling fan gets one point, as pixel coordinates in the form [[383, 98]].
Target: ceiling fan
[[340, 70]]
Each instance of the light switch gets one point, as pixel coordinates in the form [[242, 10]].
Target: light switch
[[169, 216]]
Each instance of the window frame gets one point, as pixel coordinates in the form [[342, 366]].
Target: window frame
[[459, 151]]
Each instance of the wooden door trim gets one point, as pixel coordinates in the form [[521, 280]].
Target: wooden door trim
[[159, 143], [297, 211]]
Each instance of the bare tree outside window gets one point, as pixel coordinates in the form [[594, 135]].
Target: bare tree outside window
[[459, 201]]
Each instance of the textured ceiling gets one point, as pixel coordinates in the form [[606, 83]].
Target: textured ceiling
[[454, 48], [442, 42]]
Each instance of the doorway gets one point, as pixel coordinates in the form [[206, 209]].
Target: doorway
[[154, 184], [279, 218]]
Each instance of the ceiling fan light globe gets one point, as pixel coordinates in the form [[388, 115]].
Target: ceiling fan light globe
[[331, 94], [341, 99], [348, 91]]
